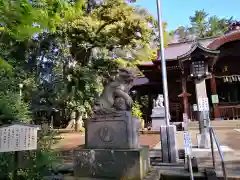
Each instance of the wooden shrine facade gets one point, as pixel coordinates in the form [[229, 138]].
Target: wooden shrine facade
[[224, 81]]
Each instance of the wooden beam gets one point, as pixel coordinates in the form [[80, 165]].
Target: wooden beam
[[185, 94], [214, 92]]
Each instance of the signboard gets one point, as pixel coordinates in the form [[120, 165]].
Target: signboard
[[187, 143], [18, 137], [215, 99], [203, 104]]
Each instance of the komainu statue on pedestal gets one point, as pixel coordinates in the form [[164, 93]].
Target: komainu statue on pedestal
[[115, 94]]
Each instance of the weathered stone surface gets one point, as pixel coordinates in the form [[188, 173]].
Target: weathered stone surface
[[109, 163], [173, 151], [164, 144], [119, 130], [168, 144], [158, 112], [158, 118], [115, 95]]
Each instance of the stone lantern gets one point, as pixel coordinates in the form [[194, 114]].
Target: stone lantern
[[197, 65]]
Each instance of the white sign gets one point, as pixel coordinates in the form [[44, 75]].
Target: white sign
[[18, 137], [195, 108], [187, 143], [203, 104], [215, 99]]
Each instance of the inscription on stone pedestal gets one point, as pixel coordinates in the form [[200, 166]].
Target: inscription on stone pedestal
[[113, 131], [158, 118], [106, 134]]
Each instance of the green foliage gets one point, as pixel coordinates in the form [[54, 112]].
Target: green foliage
[[12, 108], [114, 26], [203, 25], [32, 31], [78, 46], [199, 23], [136, 111], [26, 30], [5, 67], [82, 129]]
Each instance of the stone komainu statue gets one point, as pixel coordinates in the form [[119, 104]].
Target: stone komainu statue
[[115, 94]]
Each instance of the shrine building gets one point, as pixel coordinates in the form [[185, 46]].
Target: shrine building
[[222, 55]]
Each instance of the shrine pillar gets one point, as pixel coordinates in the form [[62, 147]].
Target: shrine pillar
[[196, 62], [214, 92], [185, 95]]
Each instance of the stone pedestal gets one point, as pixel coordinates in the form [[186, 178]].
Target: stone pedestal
[[112, 148], [115, 131], [107, 163], [203, 138], [203, 141], [169, 144], [158, 118]]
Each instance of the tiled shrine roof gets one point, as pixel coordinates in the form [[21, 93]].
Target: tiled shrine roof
[[178, 49], [196, 45], [175, 50]]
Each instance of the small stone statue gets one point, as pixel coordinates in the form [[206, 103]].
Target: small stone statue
[[159, 101], [115, 94]]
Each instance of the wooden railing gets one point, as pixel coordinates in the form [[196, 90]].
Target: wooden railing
[[230, 112], [227, 112]]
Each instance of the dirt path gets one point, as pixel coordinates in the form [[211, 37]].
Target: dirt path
[[72, 140]]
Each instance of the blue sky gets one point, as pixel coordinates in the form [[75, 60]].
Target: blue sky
[[177, 12]]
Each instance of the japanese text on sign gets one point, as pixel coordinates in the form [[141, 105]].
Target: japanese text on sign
[[203, 104], [187, 143], [18, 138]]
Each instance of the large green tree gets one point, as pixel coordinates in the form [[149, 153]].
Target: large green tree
[[26, 30], [202, 25], [80, 42], [96, 41], [199, 23]]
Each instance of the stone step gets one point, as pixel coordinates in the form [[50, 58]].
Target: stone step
[[175, 172], [159, 163], [210, 174], [153, 153]]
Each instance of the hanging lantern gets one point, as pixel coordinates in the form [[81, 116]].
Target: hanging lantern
[[199, 68]]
